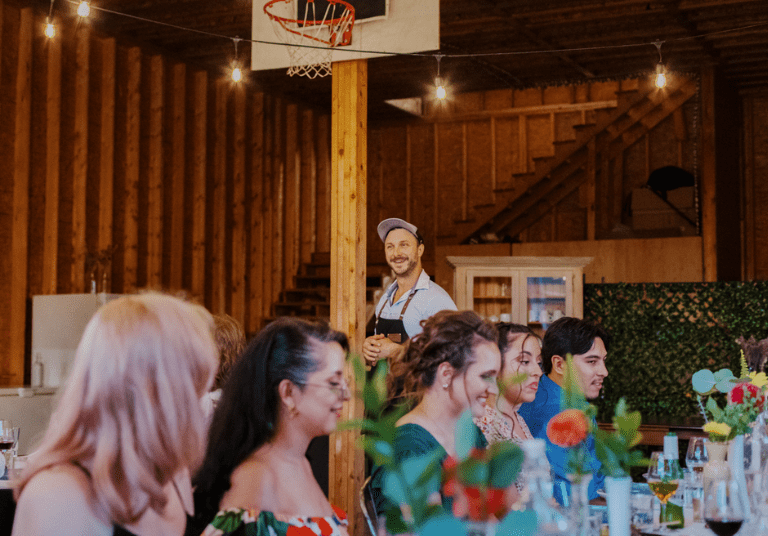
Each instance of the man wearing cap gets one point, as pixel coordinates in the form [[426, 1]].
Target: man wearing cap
[[411, 298]]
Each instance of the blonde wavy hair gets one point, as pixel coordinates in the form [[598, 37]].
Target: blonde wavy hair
[[130, 412]]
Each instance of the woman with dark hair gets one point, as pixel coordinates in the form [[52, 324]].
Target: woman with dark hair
[[287, 388], [520, 355], [450, 367]]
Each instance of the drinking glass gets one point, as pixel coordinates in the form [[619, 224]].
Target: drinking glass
[[697, 454], [663, 477], [7, 442], [723, 510]]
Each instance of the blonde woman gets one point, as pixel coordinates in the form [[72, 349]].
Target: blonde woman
[[230, 340], [117, 455], [521, 354]]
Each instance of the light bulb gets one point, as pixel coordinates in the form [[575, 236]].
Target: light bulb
[[50, 29], [661, 78], [439, 88], [237, 74], [84, 9]]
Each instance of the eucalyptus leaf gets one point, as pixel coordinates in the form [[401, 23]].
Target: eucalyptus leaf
[[703, 381]]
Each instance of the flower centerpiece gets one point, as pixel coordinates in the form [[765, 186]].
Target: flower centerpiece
[[745, 399]]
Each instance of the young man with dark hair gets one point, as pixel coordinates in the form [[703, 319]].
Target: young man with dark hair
[[587, 343]]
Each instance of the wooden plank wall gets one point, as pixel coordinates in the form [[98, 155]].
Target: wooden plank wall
[[186, 181], [472, 147], [755, 186]]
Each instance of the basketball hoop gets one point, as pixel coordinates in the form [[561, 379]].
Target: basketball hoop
[[312, 36]]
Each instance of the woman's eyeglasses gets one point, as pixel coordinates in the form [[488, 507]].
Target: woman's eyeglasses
[[340, 389]]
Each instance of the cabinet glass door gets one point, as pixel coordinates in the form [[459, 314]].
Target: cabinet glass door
[[492, 297], [546, 300]]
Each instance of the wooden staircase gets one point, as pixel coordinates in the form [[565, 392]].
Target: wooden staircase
[[310, 296], [555, 177]]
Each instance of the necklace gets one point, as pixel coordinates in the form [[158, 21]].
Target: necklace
[[513, 419]]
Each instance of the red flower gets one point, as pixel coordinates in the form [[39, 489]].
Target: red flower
[[737, 395], [568, 428]]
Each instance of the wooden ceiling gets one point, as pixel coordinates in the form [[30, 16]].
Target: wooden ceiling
[[730, 34]]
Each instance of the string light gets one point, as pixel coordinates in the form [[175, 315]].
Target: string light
[[84, 9], [50, 29], [439, 87], [661, 75], [237, 73]]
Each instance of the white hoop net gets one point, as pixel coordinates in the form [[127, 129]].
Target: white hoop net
[[312, 34]]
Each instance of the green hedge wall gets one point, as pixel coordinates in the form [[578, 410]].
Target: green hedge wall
[[663, 333]]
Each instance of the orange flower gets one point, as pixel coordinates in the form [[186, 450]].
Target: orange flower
[[568, 428]]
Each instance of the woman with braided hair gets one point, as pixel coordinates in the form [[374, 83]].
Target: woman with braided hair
[[451, 366]]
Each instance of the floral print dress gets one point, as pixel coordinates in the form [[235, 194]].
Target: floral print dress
[[241, 522]]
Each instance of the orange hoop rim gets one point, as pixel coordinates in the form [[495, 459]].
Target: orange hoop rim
[[313, 22]]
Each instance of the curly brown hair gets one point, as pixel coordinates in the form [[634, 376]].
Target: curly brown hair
[[448, 336], [230, 340]]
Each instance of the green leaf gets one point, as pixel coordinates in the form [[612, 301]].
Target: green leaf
[[466, 435], [517, 523], [442, 525], [504, 465], [703, 381]]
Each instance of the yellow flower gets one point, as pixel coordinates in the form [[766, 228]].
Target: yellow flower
[[719, 428], [758, 379]]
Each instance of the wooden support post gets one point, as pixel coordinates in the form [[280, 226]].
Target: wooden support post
[[155, 216], [197, 172], [52, 155], [107, 149], [132, 172], [591, 189], [80, 159], [178, 172], [708, 177], [13, 368], [348, 262]]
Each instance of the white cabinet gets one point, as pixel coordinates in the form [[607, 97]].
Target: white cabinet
[[525, 290]]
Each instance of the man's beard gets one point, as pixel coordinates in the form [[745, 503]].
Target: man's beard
[[410, 266]]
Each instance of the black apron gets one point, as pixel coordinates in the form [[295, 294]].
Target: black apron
[[393, 329]]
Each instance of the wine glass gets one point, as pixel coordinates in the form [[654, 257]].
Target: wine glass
[[697, 454], [663, 477], [723, 510], [7, 442]]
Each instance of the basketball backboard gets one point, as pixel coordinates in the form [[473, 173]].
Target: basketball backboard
[[399, 26]]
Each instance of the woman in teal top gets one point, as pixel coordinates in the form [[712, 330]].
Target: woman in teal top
[[448, 368]]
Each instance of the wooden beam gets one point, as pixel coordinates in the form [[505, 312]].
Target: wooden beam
[[308, 185], [219, 245], [256, 210], [239, 244], [348, 263], [13, 369], [52, 169], [131, 189], [708, 176], [155, 172], [107, 152], [198, 173], [591, 188], [80, 160], [178, 170], [748, 199]]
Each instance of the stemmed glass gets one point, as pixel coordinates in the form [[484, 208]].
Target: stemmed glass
[[663, 478], [697, 454], [723, 510], [7, 443]]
